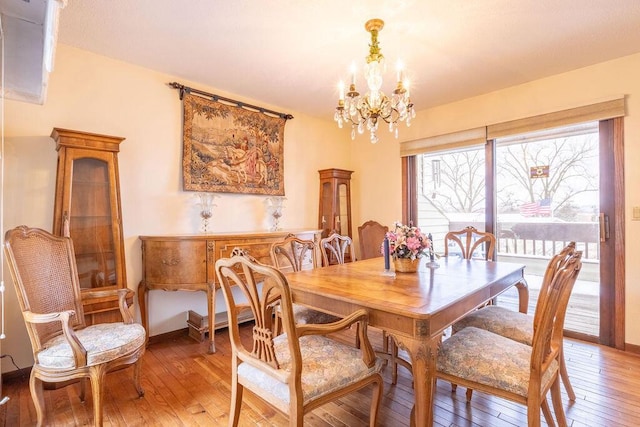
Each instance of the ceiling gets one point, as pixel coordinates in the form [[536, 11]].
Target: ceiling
[[290, 54]]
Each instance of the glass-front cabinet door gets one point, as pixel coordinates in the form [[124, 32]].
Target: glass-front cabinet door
[[87, 206], [335, 202]]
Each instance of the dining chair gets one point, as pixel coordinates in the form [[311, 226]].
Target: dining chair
[[65, 349], [292, 254], [300, 369], [469, 241], [336, 249], [370, 236], [519, 326], [481, 360]]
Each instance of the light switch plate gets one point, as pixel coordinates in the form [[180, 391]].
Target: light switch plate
[[636, 213]]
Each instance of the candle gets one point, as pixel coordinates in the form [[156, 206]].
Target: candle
[[400, 69], [386, 253], [341, 90]]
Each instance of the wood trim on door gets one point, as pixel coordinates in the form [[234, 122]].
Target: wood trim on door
[[612, 255]]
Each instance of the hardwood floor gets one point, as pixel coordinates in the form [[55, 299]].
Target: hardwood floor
[[185, 386]]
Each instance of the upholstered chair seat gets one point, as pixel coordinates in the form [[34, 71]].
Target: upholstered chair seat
[[500, 320], [103, 343], [305, 315], [498, 362], [326, 367]]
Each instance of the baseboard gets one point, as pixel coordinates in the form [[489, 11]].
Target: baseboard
[[632, 348]]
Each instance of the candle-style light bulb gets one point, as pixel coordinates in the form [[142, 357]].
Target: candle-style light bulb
[[400, 69], [341, 90]]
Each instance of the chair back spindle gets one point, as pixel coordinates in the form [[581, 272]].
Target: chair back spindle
[[470, 240], [336, 249]]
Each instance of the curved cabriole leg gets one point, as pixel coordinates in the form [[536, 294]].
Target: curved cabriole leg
[[375, 403], [97, 375], [35, 385], [137, 368]]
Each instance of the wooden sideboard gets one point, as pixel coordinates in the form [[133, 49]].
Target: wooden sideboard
[[187, 263]]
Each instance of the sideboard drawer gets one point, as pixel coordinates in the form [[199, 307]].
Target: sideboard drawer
[[175, 262], [258, 249]]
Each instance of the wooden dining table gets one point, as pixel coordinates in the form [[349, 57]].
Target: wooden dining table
[[414, 308]]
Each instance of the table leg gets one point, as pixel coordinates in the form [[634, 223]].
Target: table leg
[[523, 294], [423, 355]]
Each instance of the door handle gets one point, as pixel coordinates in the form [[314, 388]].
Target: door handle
[[604, 228]]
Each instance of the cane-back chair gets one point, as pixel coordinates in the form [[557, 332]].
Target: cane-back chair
[[294, 254], [481, 360], [44, 272], [300, 369], [519, 326]]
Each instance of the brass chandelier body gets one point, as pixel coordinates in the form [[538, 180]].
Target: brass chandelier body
[[366, 112]]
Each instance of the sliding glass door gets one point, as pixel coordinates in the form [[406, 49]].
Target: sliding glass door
[[536, 192], [547, 194]]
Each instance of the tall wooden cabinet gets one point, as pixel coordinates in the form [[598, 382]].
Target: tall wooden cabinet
[[87, 207], [334, 213]]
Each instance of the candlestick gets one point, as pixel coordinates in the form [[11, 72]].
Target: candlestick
[[431, 253]]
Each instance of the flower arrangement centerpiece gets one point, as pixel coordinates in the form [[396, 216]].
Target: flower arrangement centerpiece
[[406, 245]]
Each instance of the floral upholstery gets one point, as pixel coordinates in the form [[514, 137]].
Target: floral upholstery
[[103, 342], [305, 315], [501, 321], [327, 366], [497, 361]]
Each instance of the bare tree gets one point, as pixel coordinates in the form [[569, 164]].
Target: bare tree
[[573, 170], [455, 182], [458, 184]]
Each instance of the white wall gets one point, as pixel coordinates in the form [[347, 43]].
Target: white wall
[[379, 193], [96, 94]]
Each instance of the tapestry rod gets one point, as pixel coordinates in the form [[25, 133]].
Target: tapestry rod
[[185, 89]]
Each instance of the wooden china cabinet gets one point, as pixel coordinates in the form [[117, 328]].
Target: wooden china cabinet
[[87, 208], [334, 214], [335, 202]]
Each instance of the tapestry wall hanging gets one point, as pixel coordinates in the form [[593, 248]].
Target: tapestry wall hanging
[[230, 149]]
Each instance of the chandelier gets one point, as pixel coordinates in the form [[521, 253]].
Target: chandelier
[[369, 110]]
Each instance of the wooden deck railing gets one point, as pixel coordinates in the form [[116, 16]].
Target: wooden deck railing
[[546, 239], [543, 239]]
